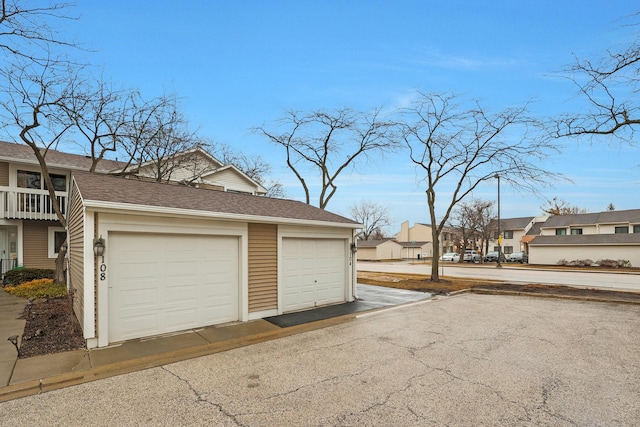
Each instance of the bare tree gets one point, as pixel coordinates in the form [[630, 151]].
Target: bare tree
[[557, 206], [255, 167], [460, 148], [37, 83], [462, 221], [99, 115], [373, 216], [34, 102], [322, 144], [155, 133], [479, 213], [610, 85]]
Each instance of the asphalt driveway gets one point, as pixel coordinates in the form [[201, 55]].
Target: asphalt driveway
[[463, 360]]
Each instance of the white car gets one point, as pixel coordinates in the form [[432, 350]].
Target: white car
[[471, 256], [450, 256]]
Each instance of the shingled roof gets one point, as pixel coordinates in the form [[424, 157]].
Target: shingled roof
[[373, 243], [108, 191], [630, 216], [55, 159], [511, 223]]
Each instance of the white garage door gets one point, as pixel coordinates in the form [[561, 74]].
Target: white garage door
[[161, 283], [313, 272]]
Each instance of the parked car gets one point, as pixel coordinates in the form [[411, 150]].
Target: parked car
[[450, 256], [520, 257], [493, 257], [471, 256]]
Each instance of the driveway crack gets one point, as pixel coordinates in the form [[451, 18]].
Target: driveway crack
[[200, 398]]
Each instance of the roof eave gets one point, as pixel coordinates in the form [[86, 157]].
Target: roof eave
[[160, 210]]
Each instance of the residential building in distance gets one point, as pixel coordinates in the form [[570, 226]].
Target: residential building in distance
[[611, 235], [379, 250], [513, 232], [415, 241]]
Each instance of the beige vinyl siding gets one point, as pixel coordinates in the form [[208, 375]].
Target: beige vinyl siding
[[36, 244], [231, 180], [4, 174], [75, 225], [263, 267]]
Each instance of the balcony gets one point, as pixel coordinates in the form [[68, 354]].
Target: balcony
[[26, 203]]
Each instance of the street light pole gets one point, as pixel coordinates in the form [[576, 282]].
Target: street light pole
[[499, 264]]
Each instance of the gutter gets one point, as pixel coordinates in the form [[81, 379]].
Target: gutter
[[165, 211]]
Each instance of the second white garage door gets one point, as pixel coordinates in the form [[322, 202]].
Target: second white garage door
[[161, 283], [313, 272]]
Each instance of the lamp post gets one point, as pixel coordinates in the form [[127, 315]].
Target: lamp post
[[499, 264]]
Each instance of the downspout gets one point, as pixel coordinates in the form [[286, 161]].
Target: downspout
[[354, 270]]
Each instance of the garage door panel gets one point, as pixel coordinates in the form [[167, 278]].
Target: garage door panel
[[168, 283], [314, 272]]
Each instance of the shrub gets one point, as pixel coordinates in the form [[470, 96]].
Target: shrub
[[39, 288], [563, 262], [20, 275], [611, 263]]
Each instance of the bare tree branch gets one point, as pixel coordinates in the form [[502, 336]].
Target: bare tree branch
[[26, 33], [373, 216], [610, 86], [326, 143], [458, 149]]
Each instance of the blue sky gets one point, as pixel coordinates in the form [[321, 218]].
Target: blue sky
[[241, 64]]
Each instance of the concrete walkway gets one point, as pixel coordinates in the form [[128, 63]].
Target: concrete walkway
[[10, 309]]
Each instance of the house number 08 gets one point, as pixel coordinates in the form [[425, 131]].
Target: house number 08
[[103, 270]]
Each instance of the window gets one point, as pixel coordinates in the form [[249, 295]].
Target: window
[[59, 182], [33, 180], [28, 179], [576, 231], [57, 236], [508, 234], [507, 250], [561, 231], [636, 228], [621, 230]]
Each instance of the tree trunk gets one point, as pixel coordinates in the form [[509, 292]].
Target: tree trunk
[[60, 275]]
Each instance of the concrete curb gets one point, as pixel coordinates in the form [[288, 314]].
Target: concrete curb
[[543, 295]]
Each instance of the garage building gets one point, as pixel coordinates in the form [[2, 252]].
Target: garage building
[[178, 258]]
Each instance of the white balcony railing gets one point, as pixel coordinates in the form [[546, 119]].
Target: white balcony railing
[[25, 203]]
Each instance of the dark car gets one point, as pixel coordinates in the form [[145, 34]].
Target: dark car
[[520, 257], [493, 257]]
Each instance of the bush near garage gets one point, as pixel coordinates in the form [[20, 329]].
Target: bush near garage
[[39, 288], [20, 275]]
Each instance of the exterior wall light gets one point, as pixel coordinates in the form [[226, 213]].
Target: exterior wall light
[[98, 247], [354, 248]]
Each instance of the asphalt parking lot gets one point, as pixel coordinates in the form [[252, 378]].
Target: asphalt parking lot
[[463, 360]]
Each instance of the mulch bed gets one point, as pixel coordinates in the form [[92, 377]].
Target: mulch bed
[[51, 327]]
